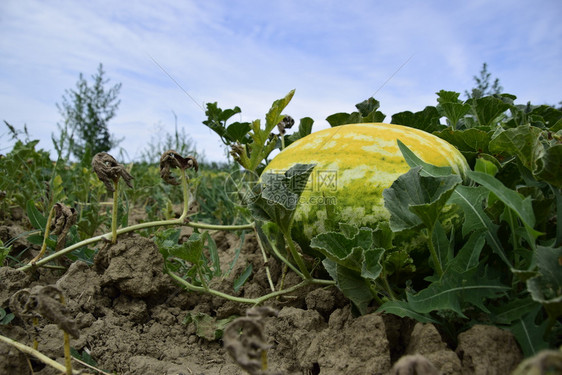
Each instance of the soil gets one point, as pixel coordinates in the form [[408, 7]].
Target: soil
[[131, 318]]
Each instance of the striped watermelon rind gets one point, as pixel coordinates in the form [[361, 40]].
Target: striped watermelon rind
[[354, 164]]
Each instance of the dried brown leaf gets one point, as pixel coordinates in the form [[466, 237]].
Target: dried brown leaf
[[45, 301], [286, 123], [109, 171], [170, 160], [65, 218], [245, 341]]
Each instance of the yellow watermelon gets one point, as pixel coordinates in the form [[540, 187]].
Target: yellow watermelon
[[354, 164]]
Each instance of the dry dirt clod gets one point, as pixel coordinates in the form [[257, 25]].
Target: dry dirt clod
[[171, 159], [109, 171]]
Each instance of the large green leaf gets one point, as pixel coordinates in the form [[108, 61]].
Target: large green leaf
[[352, 285], [546, 288], [528, 334], [279, 195], [522, 206], [453, 112], [522, 141], [367, 113], [353, 248], [488, 109], [549, 166], [471, 201], [512, 310], [413, 200], [455, 291], [403, 309], [427, 120], [467, 140]]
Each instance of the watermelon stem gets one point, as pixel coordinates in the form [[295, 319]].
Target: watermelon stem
[[296, 256], [434, 256]]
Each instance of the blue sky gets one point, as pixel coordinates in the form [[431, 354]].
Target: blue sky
[[250, 53]]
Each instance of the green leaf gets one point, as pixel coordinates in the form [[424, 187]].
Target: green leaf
[[528, 334], [427, 120], [454, 291], [353, 249], [35, 217], [453, 111], [237, 132], [413, 199], [468, 256], [305, 128], [486, 166], [468, 140], [206, 326], [522, 141], [427, 169], [367, 113], [279, 194], [445, 96], [213, 253], [441, 243], [241, 280], [546, 288], [471, 201], [549, 166], [352, 285], [403, 309], [191, 250], [512, 310], [488, 109], [274, 116], [521, 206]]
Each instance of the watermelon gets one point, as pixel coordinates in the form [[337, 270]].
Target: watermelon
[[354, 164]]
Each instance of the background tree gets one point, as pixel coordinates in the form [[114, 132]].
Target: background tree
[[483, 87], [86, 112]]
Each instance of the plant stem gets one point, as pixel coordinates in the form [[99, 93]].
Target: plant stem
[[436, 261], [185, 192], [45, 237], [27, 350], [107, 236], [265, 261], [387, 286], [253, 301], [296, 256], [67, 356], [114, 213]]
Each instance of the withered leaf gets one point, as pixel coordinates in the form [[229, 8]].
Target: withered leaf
[[65, 218], [44, 301], [109, 171], [171, 159]]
